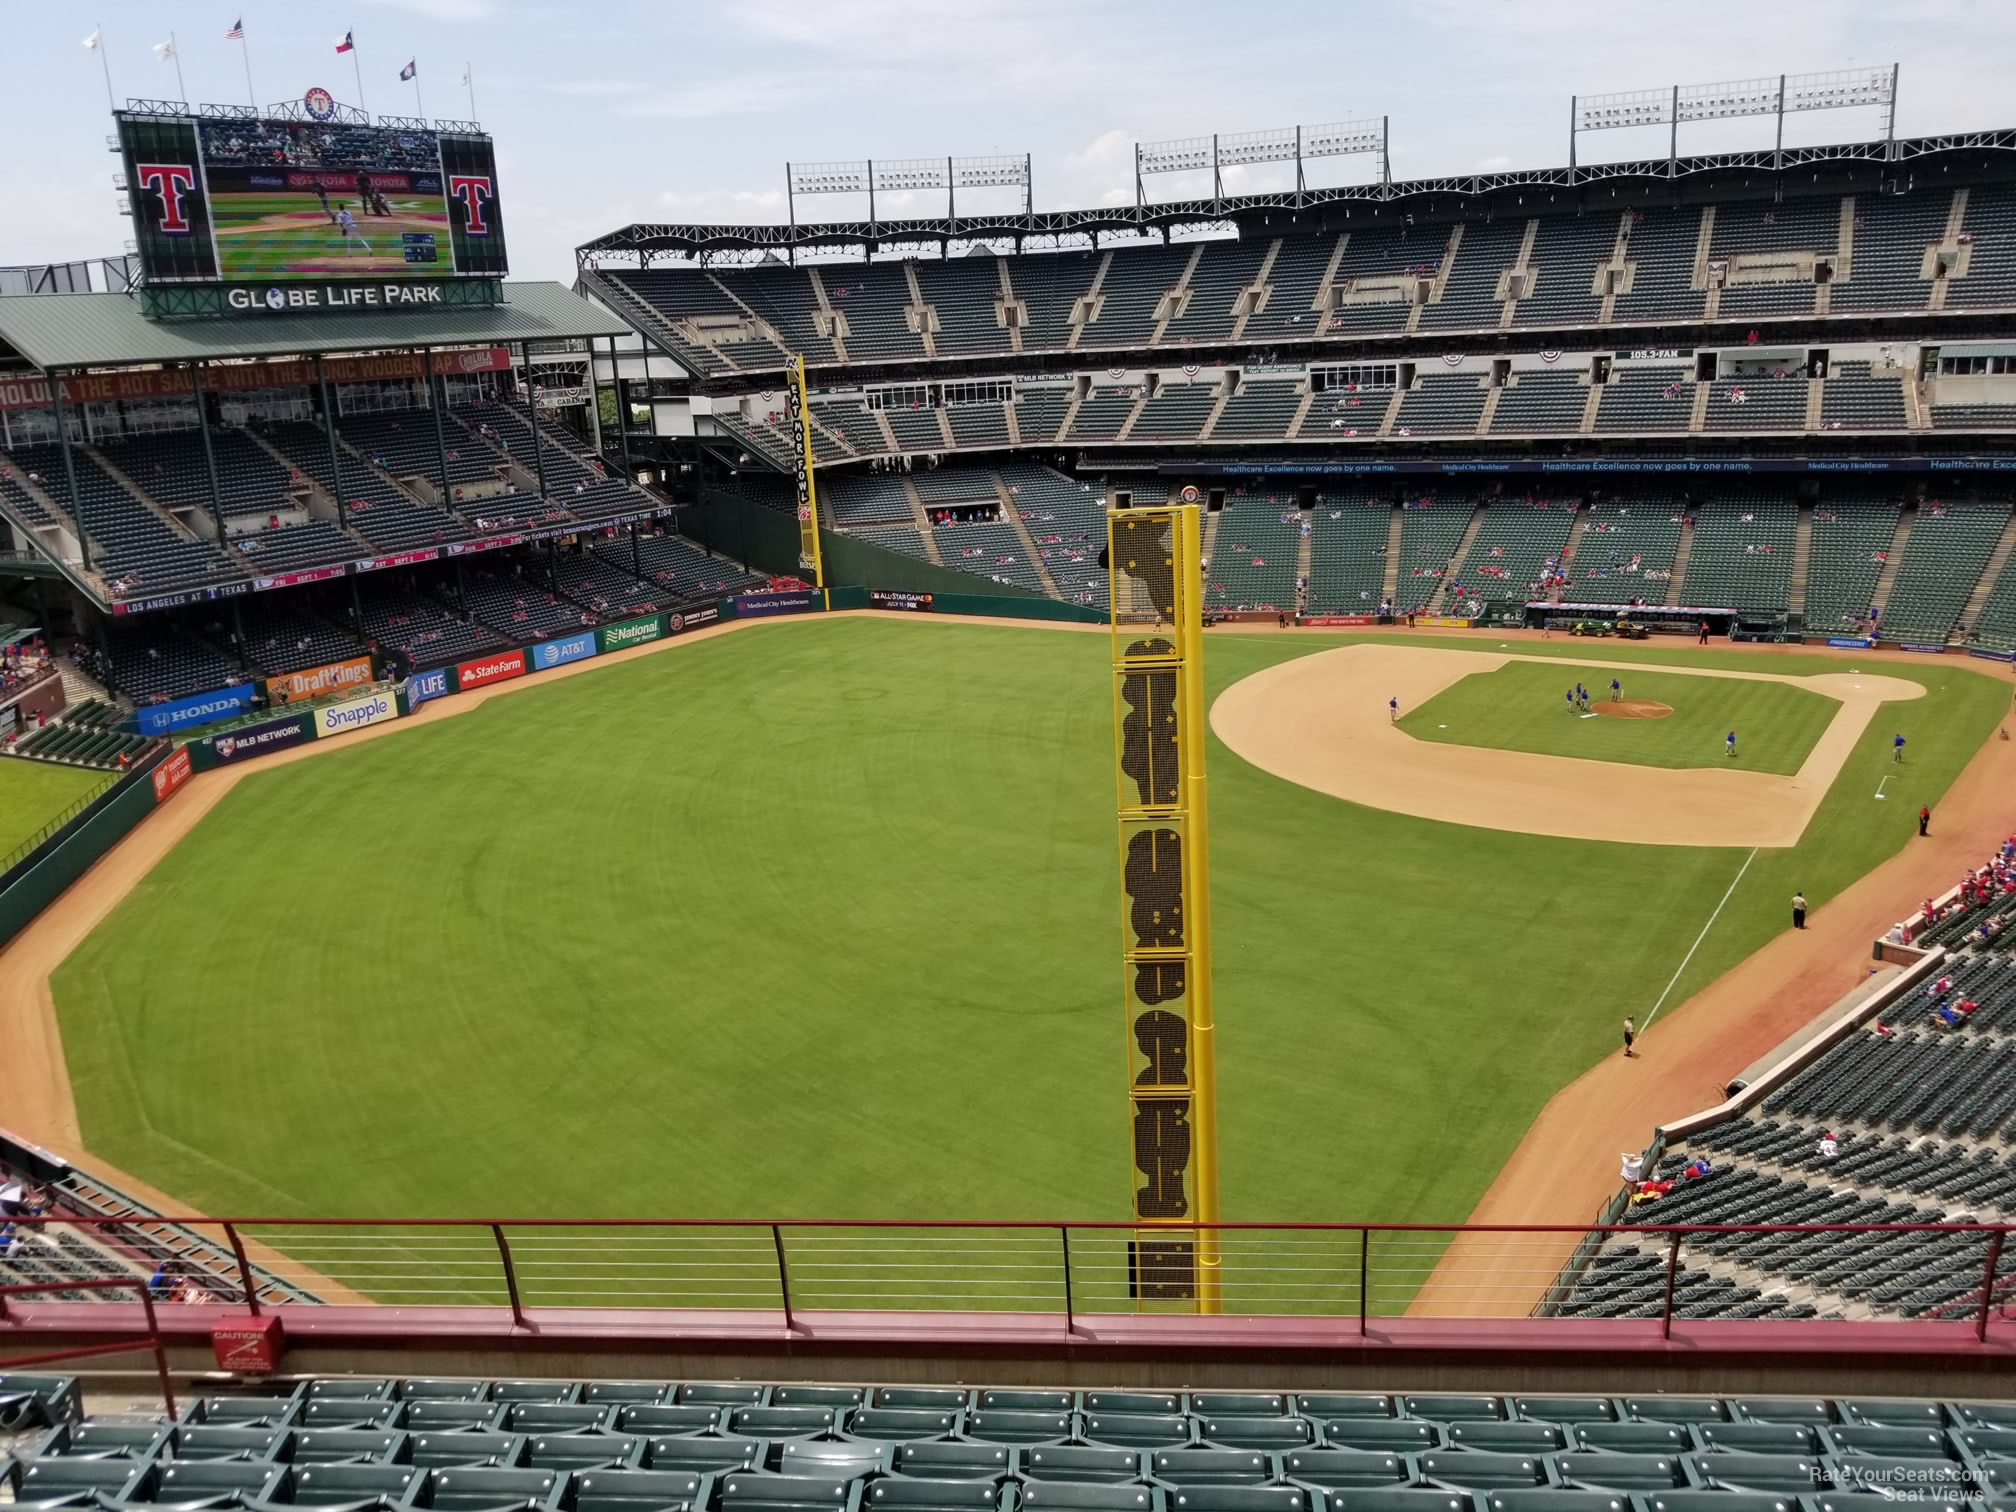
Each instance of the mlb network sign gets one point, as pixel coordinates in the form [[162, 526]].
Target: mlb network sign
[[318, 299]]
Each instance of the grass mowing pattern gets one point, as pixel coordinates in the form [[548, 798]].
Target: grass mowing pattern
[[1522, 706], [35, 793], [274, 235], [819, 920]]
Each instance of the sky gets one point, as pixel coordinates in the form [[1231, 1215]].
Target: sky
[[612, 111]]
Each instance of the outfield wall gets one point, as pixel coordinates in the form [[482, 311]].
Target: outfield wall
[[33, 883]]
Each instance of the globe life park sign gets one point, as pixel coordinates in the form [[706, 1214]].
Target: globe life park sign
[[255, 301], [317, 299]]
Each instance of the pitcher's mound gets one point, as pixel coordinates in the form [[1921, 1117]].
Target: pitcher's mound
[[1632, 708]]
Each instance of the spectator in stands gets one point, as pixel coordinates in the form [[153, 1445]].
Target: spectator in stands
[[1829, 1146], [1633, 1169]]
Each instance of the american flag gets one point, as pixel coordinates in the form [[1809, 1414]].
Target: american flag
[[237, 32]]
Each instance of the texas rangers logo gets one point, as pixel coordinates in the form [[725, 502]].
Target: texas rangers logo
[[171, 182], [319, 103], [475, 191]]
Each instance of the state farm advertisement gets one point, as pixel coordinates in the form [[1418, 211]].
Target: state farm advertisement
[[491, 669]]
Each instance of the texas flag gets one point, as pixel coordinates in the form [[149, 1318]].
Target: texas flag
[[346, 44]]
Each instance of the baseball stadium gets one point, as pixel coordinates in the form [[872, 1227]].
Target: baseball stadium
[[1336, 850]]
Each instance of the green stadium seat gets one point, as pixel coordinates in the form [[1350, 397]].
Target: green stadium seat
[[244, 1412], [181, 1483], [932, 1461], [484, 1489], [1019, 1427], [583, 1451], [555, 1417], [785, 1422], [1509, 1438], [912, 1495], [1596, 1471], [1899, 1443], [342, 1485], [1854, 1501], [1474, 1471], [351, 1388], [943, 1398], [1634, 1438], [1454, 1409], [1555, 1499], [1880, 1413], [1144, 1403], [1988, 1443], [1790, 1474], [446, 1414], [422, 1390], [1089, 1496], [203, 1442], [1088, 1464], [1675, 1409], [746, 1492], [833, 1457], [1134, 1430], [1243, 1499], [442, 1451], [1026, 1401], [1781, 1410], [1273, 1434], [1345, 1469], [1323, 1405], [1973, 1414], [817, 1396], [705, 1456], [352, 1412], [896, 1424], [350, 1446], [1721, 1501], [1224, 1404], [1397, 1435], [1399, 1499], [640, 1491], [1564, 1409], [1212, 1467], [142, 1441], [113, 1479], [1756, 1438], [537, 1391], [719, 1394], [658, 1419], [626, 1393]]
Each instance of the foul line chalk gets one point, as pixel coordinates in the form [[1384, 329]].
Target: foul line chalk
[[1698, 939]]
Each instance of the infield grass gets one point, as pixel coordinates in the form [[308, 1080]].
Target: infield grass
[[34, 794], [821, 920], [1522, 706]]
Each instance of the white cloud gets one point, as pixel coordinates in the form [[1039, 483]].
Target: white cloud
[[593, 88], [441, 10]]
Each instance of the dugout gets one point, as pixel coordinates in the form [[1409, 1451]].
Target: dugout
[[1658, 619]]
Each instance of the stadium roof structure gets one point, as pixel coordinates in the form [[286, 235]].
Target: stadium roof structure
[[108, 330], [1638, 177]]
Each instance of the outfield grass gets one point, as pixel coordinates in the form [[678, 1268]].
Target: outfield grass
[[34, 794], [820, 919], [1522, 706]]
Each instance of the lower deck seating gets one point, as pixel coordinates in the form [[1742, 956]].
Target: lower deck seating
[[1347, 557], [1948, 549], [1253, 561], [429, 633]]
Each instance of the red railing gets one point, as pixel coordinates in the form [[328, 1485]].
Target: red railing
[[1073, 1271], [153, 1341]]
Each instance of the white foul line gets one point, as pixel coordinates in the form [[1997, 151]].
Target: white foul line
[[1879, 787], [1698, 939]]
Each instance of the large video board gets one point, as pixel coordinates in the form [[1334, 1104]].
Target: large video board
[[274, 202]]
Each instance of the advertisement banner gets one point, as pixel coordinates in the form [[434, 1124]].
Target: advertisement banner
[[1986, 655], [1442, 622], [634, 632], [396, 559], [1927, 650], [422, 686], [258, 740], [691, 619], [171, 774], [355, 714], [502, 667], [917, 603], [196, 709], [753, 605], [557, 653], [1338, 619], [317, 682], [1850, 642], [173, 383]]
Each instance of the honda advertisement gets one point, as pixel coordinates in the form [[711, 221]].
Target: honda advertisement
[[197, 709]]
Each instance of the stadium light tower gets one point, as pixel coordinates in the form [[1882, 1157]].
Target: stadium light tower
[[908, 176], [1773, 95], [1281, 144]]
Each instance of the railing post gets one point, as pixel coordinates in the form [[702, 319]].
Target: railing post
[[1364, 1270], [510, 1276], [783, 1277], [1988, 1283], [1666, 1307], [160, 1350], [244, 1269], [1070, 1307]]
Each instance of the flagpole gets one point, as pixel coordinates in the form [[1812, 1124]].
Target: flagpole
[[104, 63], [245, 48], [175, 52], [469, 79], [419, 107], [357, 69]]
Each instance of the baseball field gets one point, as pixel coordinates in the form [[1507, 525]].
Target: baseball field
[[275, 235], [34, 794], [819, 919]]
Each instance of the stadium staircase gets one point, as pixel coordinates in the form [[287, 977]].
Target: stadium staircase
[[1260, 283], [1802, 556], [836, 322], [157, 509], [1574, 542], [1998, 560], [1012, 513], [1092, 300], [922, 519], [1305, 550], [1484, 416], [1677, 584], [1453, 572], [1956, 221], [1209, 540], [1390, 587], [318, 493], [79, 687], [1888, 578]]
